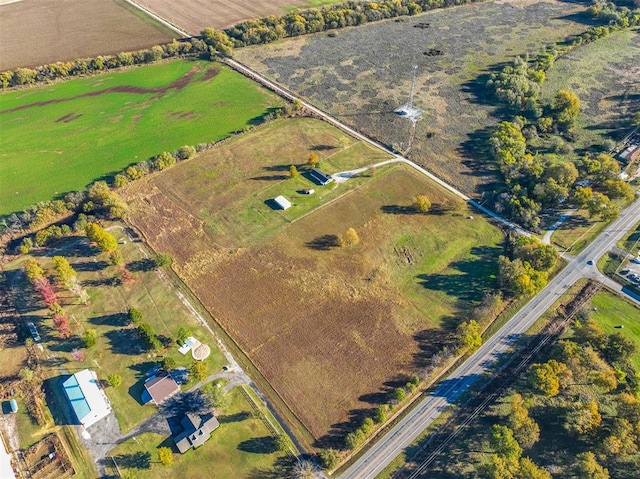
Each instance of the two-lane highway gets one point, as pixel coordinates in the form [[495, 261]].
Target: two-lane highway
[[387, 448]]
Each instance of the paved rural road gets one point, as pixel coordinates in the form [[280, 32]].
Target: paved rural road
[[371, 463]]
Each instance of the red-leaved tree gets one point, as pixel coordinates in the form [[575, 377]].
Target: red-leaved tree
[[43, 286], [61, 323]]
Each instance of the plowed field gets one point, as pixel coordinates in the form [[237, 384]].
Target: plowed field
[[36, 32], [328, 327], [193, 16]]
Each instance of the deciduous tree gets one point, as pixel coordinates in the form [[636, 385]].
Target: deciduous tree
[[165, 456], [422, 204], [114, 380]]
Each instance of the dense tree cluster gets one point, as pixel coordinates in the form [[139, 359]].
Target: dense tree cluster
[[585, 396], [526, 270]]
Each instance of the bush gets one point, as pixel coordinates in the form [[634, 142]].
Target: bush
[[114, 380], [163, 259], [183, 334], [149, 337], [90, 338], [135, 315], [186, 152], [329, 458], [168, 363], [199, 370], [165, 456]]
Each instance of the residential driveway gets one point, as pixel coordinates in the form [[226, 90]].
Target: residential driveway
[[100, 438]]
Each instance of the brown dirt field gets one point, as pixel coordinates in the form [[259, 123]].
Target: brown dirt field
[[193, 16], [36, 32], [339, 329]]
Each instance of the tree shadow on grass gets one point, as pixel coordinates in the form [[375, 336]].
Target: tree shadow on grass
[[141, 265], [477, 279], [323, 243], [283, 467], [67, 345], [259, 445], [125, 341], [431, 342], [398, 210], [136, 460], [90, 266], [115, 319], [269, 178], [237, 417]]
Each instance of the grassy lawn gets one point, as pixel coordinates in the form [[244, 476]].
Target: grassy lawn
[[610, 311], [90, 127], [241, 447], [117, 349], [631, 241]]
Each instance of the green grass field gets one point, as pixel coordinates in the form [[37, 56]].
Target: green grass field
[[241, 447], [614, 311], [60, 137], [600, 74]]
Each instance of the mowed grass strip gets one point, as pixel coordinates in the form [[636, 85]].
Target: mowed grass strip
[[58, 138], [612, 312]]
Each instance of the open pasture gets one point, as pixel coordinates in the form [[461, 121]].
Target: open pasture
[[364, 73], [193, 16], [58, 138], [36, 32], [327, 326], [604, 75]]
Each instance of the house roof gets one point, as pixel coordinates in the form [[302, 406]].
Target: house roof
[[320, 177], [282, 202], [87, 399], [197, 430], [161, 387]]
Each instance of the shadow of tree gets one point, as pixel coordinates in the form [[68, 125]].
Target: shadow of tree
[[115, 319], [237, 417], [137, 460], [323, 243], [259, 445], [90, 266], [141, 265], [125, 341], [398, 210]]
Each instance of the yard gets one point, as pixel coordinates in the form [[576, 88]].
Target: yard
[[242, 447], [88, 128], [364, 73], [37, 32], [118, 349], [328, 327]]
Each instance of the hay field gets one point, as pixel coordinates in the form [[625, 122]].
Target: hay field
[[87, 128], [328, 327], [193, 16], [364, 73], [36, 32]]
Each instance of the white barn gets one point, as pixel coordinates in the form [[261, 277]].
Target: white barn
[[282, 202], [87, 399]]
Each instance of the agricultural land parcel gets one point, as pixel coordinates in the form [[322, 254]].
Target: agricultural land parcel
[[326, 326], [58, 138], [193, 16], [36, 32], [364, 73]]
